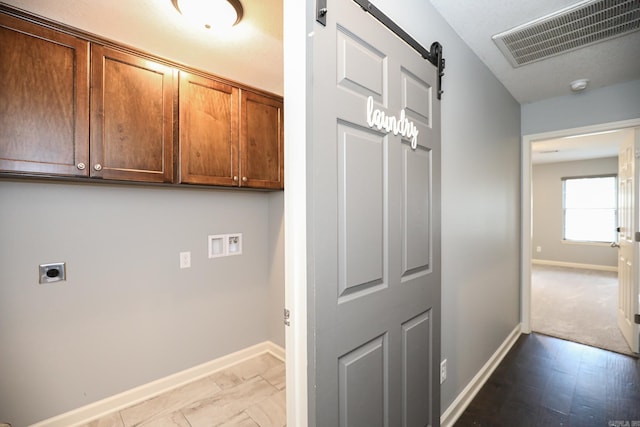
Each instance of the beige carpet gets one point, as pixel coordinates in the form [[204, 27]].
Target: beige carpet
[[577, 305]]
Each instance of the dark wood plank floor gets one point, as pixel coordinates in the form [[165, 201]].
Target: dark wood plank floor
[[545, 381]]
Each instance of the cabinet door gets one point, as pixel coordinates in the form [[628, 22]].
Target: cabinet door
[[44, 100], [261, 141], [131, 117], [208, 131]]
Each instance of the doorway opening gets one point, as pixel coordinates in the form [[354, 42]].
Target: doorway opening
[[556, 270]]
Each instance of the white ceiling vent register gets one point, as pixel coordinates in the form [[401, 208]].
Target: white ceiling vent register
[[577, 26]]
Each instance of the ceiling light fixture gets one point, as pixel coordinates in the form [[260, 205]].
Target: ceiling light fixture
[[216, 14], [579, 85]]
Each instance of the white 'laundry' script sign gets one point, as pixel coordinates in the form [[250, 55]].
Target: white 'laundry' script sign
[[398, 125]]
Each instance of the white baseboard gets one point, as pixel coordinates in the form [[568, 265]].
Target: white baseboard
[[275, 350], [146, 391], [455, 410], [574, 265]]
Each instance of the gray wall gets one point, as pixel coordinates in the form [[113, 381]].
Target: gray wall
[[547, 213], [480, 201], [604, 105], [127, 314]]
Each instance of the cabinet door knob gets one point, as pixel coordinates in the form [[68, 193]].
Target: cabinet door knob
[[80, 166], [97, 167], [244, 179], [235, 178]]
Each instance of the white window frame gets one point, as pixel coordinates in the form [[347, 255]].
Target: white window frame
[[564, 210]]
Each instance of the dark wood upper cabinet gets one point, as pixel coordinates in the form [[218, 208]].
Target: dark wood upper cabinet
[[229, 136], [44, 100], [261, 141], [131, 117], [208, 131]]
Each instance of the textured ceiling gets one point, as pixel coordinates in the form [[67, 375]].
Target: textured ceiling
[[594, 146], [610, 62]]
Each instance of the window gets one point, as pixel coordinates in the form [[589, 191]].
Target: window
[[590, 209]]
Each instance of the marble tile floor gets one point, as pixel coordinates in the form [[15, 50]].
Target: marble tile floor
[[248, 394]]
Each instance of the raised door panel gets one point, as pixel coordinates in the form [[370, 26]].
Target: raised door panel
[[44, 100], [361, 195], [363, 385], [131, 117], [417, 369], [261, 141], [208, 131]]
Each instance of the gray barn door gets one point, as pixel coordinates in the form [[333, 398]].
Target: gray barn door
[[374, 239]]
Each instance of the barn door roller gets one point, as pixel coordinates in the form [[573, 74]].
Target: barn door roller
[[321, 12], [434, 55]]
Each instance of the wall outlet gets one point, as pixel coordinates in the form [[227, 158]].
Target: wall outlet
[[538, 249], [443, 371], [185, 259], [54, 272]]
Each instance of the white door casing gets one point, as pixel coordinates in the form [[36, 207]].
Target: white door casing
[[526, 234], [298, 24], [373, 228], [628, 293]]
